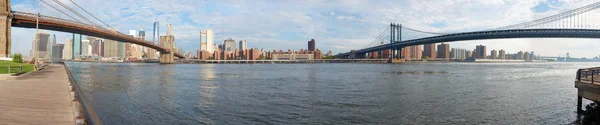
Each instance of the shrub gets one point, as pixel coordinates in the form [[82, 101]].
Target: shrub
[[17, 58]]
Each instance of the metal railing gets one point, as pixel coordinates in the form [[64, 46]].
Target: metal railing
[[14, 67], [587, 74], [89, 114]]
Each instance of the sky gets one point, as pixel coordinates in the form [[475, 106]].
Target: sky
[[336, 25]]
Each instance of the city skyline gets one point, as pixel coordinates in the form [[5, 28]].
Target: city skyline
[[341, 36]]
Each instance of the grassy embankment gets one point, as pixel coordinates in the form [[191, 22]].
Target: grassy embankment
[[14, 67]]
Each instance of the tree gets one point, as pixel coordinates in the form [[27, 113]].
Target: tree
[[260, 58], [425, 57], [17, 58]]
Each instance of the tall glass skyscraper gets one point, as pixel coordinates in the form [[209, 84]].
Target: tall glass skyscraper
[[76, 46], [155, 33]]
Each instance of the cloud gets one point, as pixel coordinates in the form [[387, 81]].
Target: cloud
[[336, 25]]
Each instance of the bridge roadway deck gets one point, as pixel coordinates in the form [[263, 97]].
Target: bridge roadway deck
[[38, 98]]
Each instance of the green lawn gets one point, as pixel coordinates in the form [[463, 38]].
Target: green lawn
[[14, 67]]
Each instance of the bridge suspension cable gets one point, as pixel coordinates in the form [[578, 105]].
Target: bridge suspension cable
[[75, 12], [570, 22], [60, 11], [379, 38], [426, 32], [91, 14]]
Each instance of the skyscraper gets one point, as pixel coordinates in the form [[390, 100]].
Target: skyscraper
[[207, 40], [68, 50], [86, 48], [51, 42], [429, 50], [311, 45], [494, 54], [243, 45], [155, 32], [76, 46], [57, 50], [43, 43], [229, 45], [443, 51]]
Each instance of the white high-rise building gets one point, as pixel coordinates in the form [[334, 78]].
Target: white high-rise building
[[67, 50], [207, 40], [243, 45], [86, 47]]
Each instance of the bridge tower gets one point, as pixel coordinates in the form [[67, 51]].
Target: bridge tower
[[5, 25], [395, 36], [167, 56]]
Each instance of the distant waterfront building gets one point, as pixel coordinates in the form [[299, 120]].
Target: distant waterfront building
[[443, 51], [86, 48], [111, 48], [96, 46], [243, 45], [207, 40], [229, 45], [311, 45], [520, 55], [67, 50], [329, 53], [76, 46], [412, 52], [292, 56], [457, 53], [429, 50], [526, 56], [121, 50], [155, 32], [142, 35], [57, 51], [469, 54], [480, 52], [502, 54], [494, 54]]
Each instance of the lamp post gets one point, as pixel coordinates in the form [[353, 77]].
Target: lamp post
[[37, 21]]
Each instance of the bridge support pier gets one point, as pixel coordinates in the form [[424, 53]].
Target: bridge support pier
[[169, 43], [5, 26], [166, 58]]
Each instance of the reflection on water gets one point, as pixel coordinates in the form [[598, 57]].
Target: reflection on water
[[207, 86], [425, 93]]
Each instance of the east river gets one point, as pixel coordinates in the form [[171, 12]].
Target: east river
[[331, 93]]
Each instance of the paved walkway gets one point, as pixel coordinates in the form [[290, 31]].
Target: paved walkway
[[40, 98]]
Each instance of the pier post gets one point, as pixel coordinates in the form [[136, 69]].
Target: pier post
[[579, 99]]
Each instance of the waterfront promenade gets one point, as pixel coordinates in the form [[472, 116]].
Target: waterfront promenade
[[41, 97]]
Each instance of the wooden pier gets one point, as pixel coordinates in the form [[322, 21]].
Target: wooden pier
[[588, 86]]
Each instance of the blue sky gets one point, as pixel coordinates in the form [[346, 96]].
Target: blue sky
[[336, 25]]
